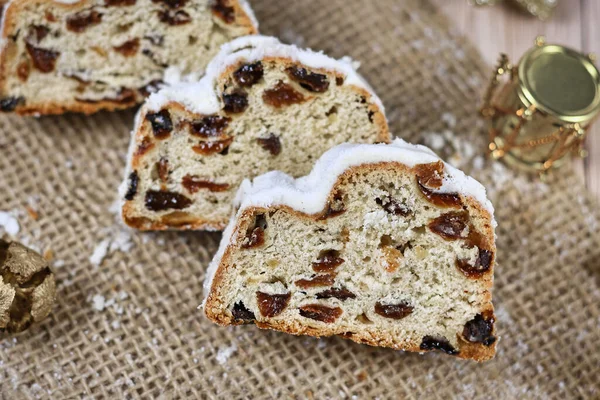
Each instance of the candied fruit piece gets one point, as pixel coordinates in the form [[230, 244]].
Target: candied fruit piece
[[430, 175], [482, 264], [320, 312], [43, 60], [224, 11], [134, 179], [318, 280], [391, 258], [235, 102], [193, 184], [160, 200], [217, 146], [129, 48], [391, 206], [338, 293], [271, 305], [480, 328], [83, 20], [282, 95], [249, 74], [242, 314], [451, 226], [161, 123], [310, 81], [328, 261], [174, 18], [434, 343], [394, 311], [8, 104], [271, 144], [211, 126]]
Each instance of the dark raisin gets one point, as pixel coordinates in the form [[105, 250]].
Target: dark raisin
[[162, 168], [370, 114], [211, 126], [310, 81], [8, 104], [242, 314], [119, 3], [174, 18], [282, 95], [207, 148], [160, 200], [271, 305], [249, 74], [391, 206], [81, 21], [271, 144], [440, 199], [145, 146], [451, 226], [320, 312], [433, 343], [255, 238], [319, 280], [235, 102], [134, 179], [339, 80], [171, 3], [394, 311], [161, 123], [338, 293], [37, 33], [479, 329], [129, 48], [224, 11], [328, 261], [430, 175], [193, 184], [482, 264], [43, 60]]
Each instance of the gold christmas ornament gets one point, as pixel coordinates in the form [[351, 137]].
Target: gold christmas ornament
[[540, 114], [27, 287]]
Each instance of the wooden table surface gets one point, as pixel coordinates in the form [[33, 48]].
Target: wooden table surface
[[497, 29]]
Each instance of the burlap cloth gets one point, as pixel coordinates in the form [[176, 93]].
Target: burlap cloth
[[130, 327]]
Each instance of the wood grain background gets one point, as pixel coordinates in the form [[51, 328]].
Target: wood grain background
[[503, 29]]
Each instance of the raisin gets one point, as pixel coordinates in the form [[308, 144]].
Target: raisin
[[207, 148], [174, 18], [482, 264], [119, 3], [319, 280], [8, 104], [339, 80], [221, 9], [162, 167], [320, 312], [282, 95], [440, 199], [134, 179], [479, 329], [430, 175], [83, 20], [211, 126], [334, 208], [242, 314], [310, 81], [172, 3], [129, 48], [49, 16], [271, 305], [193, 184], [37, 33], [338, 293], [370, 114], [161, 123], [256, 238], [391, 206], [271, 144], [160, 200], [450, 226], [394, 311], [145, 146], [433, 343], [235, 102], [328, 261], [43, 60], [23, 71], [249, 74]]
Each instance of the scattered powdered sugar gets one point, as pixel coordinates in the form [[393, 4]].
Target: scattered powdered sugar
[[9, 223], [225, 352], [98, 302], [100, 251], [116, 237]]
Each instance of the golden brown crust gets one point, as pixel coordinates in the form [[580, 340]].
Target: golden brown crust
[[12, 11], [214, 306]]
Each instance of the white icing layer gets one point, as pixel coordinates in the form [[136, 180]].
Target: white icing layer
[[309, 193], [201, 97]]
